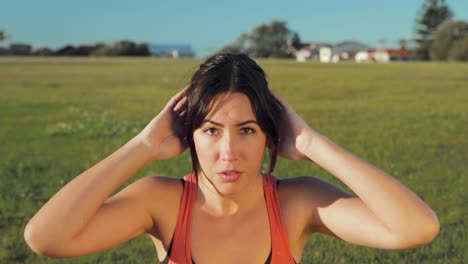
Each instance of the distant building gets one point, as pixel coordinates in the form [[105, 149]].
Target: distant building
[[399, 54], [312, 51], [364, 56], [347, 50], [383, 55], [325, 52], [171, 50]]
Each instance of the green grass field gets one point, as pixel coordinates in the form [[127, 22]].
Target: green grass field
[[59, 116]]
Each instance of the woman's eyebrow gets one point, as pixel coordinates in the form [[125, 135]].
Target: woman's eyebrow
[[247, 122], [238, 124]]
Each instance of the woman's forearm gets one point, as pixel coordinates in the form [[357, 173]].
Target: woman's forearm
[[399, 209], [70, 209]]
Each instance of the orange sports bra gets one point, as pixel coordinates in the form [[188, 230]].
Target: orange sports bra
[[179, 252]]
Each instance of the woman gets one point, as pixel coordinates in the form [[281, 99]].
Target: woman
[[226, 207]]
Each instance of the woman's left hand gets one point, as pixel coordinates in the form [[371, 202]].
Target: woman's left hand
[[294, 134]]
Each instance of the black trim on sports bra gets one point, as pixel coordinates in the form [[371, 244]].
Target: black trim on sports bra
[[166, 259]]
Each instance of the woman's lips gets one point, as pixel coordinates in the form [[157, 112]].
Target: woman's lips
[[230, 176]]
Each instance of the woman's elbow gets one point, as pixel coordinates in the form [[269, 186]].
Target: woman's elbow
[[33, 240], [431, 229], [422, 234], [37, 241]]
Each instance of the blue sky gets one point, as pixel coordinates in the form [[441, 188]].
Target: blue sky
[[208, 24]]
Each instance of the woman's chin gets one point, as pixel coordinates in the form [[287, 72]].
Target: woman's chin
[[229, 187]]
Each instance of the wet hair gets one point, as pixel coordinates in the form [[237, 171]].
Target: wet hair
[[231, 73]]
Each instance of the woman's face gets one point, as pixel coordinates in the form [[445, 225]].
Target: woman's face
[[230, 144]]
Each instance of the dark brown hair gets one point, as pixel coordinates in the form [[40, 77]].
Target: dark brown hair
[[227, 72]]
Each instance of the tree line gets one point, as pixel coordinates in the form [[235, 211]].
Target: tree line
[[437, 37], [119, 48]]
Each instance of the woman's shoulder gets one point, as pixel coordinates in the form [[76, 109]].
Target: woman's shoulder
[[304, 186], [160, 186], [158, 194], [294, 194], [161, 181], [300, 198], [161, 196], [307, 192]]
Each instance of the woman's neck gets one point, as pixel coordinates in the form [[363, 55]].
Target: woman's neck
[[217, 204]]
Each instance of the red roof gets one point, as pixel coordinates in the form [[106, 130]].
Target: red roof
[[398, 53]]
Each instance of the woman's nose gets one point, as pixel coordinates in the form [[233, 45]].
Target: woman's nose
[[228, 147]]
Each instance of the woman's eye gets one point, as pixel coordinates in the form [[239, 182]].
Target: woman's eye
[[211, 131], [247, 130]]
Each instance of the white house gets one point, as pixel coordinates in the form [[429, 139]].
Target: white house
[[302, 55], [362, 56], [382, 55], [347, 50], [325, 54], [317, 51]]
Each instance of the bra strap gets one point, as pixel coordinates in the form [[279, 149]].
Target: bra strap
[[181, 243], [281, 253]]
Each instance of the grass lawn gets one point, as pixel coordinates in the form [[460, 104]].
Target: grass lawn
[[59, 116]]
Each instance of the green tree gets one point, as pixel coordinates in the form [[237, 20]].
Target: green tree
[[20, 49], [445, 36], [432, 14], [121, 48], [295, 41], [459, 50], [265, 41], [271, 40], [3, 36], [3, 51]]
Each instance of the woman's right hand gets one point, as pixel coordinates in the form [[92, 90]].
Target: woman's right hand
[[163, 137], [81, 218]]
